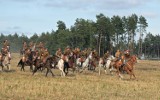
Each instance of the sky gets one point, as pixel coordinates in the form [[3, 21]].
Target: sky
[[37, 16]]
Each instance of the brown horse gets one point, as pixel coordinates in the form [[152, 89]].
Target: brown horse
[[38, 63], [128, 67], [117, 65]]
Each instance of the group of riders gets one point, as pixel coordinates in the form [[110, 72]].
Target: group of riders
[[42, 53]]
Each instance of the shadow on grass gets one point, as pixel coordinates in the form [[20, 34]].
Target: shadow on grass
[[8, 71], [148, 69]]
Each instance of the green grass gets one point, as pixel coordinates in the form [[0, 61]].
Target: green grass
[[17, 85]]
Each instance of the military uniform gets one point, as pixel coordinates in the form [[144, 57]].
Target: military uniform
[[67, 51], [31, 46], [45, 56], [58, 53], [41, 45], [6, 45], [117, 54], [24, 46], [106, 55], [4, 51]]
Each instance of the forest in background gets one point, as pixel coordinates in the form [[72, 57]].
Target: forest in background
[[103, 34]]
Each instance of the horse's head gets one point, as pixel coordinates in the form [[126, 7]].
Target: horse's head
[[134, 59]]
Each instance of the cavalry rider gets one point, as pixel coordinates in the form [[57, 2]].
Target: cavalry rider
[[106, 55], [40, 46], [58, 53], [26, 55], [24, 47], [6, 49], [45, 55], [118, 55], [6, 45], [77, 52], [126, 56], [31, 46], [94, 59], [67, 51]]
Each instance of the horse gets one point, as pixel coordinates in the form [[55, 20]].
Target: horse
[[27, 61], [106, 64], [5, 60], [128, 67], [69, 63], [85, 64], [48, 64], [61, 63]]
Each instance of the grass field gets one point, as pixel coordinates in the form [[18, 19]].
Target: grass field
[[17, 85]]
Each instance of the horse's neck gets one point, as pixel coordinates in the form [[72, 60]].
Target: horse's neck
[[110, 57], [87, 60]]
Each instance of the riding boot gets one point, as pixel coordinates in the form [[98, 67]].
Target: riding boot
[[81, 64]]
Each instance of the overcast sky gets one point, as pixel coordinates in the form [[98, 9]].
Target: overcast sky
[[37, 16]]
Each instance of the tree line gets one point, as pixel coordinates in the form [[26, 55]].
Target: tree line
[[103, 34]]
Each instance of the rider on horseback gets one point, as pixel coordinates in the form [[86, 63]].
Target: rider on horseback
[[6, 45], [118, 55], [125, 57], [58, 53]]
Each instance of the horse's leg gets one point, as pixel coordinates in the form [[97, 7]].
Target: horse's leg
[[47, 72], [128, 71], [105, 69], [133, 74], [23, 67], [8, 66], [31, 67], [2, 67], [119, 74], [35, 70], [51, 70], [99, 69], [66, 67]]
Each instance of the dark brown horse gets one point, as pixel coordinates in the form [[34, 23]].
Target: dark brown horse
[[27, 61], [49, 64]]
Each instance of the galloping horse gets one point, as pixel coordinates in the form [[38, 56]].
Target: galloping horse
[[69, 63], [27, 62], [5, 60], [106, 64], [48, 64], [61, 63], [128, 67], [85, 63]]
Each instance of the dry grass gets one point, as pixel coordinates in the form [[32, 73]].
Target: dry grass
[[17, 85]]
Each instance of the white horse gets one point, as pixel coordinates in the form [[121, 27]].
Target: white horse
[[85, 64], [60, 64], [107, 65], [5, 60]]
